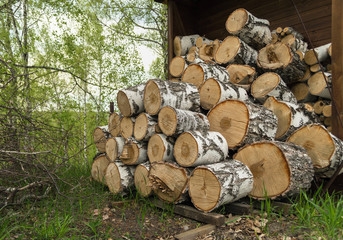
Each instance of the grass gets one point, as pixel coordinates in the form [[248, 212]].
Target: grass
[[59, 217]]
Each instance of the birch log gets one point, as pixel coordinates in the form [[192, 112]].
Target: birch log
[[321, 53], [169, 181], [114, 124], [213, 91], [241, 74], [141, 179], [200, 41], [181, 95], [183, 43], [207, 50], [234, 50], [100, 136], [119, 177], [134, 152], [252, 30], [194, 148], [114, 147], [290, 116], [145, 127], [242, 122], [177, 65], [99, 166], [198, 73], [295, 43], [173, 122], [127, 126], [279, 169], [160, 148], [270, 84], [130, 100], [292, 31], [214, 185], [320, 84], [279, 58], [325, 149], [302, 93]]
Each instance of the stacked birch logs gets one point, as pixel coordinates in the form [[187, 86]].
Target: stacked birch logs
[[231, 126]]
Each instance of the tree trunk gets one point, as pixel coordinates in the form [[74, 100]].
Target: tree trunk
[[279, 169], [302, 93], [213, 92], [114, 148], [199, 73], [141, 179], [242, 122], [119, 177], [290, 117], [174, 121], [169, 182], [100, 136], [279, 58], [214, 185], [145, 127], [99, 166], [241, 74], [320, 85], [234, 50], [181, 95], [321, 52], [127, 126], [177, 66], [114, 124], [134, 152], [130, 100], [252, 30], [270, 84], [325, 149], [195, 148], [183, 43], [160, 148]]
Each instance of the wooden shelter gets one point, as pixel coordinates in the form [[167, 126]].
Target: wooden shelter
[[319, 21]]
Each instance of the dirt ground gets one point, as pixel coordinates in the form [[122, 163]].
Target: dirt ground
[[134, 220]]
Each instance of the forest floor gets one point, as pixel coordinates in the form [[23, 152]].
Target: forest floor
[[87, 210]]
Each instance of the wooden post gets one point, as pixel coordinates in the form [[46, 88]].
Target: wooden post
[[337, 67], [171, 6]]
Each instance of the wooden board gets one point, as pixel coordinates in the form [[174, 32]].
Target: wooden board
[[196, 233]]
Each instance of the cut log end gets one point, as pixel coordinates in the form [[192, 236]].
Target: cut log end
[[193, 74], [112, 177], [130, 154], [204, 189], [283, 114], [269, 168], [227, 50], [177, 46], [186, 150], [126, 127], [176, 66], [167, 120], [99, 167], [142, 181], [210, 93], [152, 98], [274, 56], [111, 149], [100, 139], [317, 142], [232, 128], [241, 74], [123, 104], [141, 126], [236, 21], [264, 84], [114, 124], [156, 148]]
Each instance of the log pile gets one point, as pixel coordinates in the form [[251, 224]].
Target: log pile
[[245, 117]]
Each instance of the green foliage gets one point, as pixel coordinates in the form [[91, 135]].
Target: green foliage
[[322, 213]]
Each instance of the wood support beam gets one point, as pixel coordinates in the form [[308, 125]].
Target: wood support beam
[[337, 67]]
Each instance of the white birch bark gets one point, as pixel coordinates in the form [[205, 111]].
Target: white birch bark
[[183, 43], [194, 148], [130, 100], [232, 177], [255, 31]]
